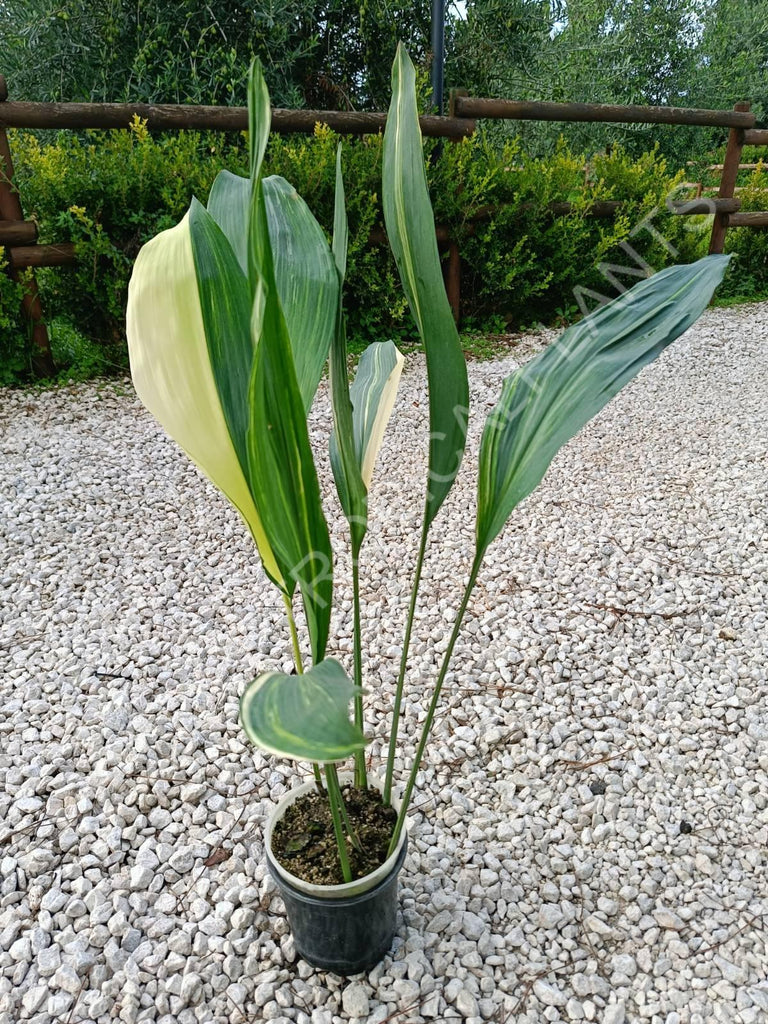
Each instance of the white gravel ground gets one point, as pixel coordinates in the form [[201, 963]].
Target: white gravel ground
[[590, 837]]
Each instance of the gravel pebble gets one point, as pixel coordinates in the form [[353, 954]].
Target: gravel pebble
[[354, 999]]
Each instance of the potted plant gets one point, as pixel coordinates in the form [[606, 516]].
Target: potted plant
[[232, 316]]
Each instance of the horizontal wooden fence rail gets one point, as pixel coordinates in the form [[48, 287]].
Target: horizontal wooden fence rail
[[60, 255], [538, 110], [18, 232], [749, 219], [719, 167], [167, 117], [756, 137], [694, 207], [740, 120]]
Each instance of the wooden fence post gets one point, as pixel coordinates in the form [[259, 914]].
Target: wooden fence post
[[453, 280], [728, 182], [10, 210]]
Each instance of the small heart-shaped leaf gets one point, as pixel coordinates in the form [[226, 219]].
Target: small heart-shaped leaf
[[303, 717]]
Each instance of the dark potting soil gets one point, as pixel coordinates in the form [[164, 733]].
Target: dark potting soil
[[304, 842]]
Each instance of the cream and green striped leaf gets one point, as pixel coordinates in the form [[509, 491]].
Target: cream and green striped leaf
[[171, 366], [411, 231], [303, 717], [212, 359], [549, 399], [373, 395]]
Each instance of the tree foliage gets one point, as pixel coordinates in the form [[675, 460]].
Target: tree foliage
[[708, 53], [331, 55]]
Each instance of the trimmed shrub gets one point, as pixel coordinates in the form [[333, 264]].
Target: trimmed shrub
[[109, 192]]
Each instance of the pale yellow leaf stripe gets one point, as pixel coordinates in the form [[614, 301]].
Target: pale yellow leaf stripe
[[385, 400], [172, 373]]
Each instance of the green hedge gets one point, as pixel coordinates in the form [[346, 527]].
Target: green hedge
[[109, 192]]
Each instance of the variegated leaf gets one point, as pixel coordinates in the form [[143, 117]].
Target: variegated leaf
[[303, 717], [373, 396], [281, 466], [170, 339], [306, 277], [307, 281], [549, 399]]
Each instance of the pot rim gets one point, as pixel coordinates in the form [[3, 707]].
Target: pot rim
[[345, 889]]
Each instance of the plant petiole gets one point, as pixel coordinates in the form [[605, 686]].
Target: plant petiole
[[387, 794], [433, 704], [361, 779], [336, 802], [300, 669]]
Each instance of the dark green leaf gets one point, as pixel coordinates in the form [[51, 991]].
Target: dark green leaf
[[281, 466], [411, 230], [226, 307]]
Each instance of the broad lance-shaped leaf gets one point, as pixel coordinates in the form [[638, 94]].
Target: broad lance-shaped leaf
[[170, 356], [411, 231], [548, 400], [304, 717], [281, 466], [372, 394], [307, 282]]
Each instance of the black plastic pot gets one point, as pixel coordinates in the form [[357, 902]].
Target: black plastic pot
[[348, 934]]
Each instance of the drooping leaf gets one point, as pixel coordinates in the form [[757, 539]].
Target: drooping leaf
[[344, 461], [303, 717], [171, 369], [411, 231], [307, 281], [549, 399], [281, 466]]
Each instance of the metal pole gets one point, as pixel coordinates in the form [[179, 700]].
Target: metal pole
[[438, 53]]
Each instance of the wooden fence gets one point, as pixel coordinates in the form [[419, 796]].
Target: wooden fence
[[19, 237]]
